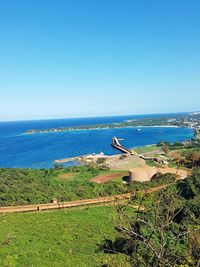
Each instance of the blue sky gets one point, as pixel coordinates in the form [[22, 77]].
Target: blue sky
[[78, 58]]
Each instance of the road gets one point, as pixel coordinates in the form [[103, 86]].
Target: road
[[76, 203]]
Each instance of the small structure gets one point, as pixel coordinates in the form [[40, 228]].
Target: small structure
[[141, 175], [161, 160]]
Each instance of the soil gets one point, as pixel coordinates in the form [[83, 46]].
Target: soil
[[107, 177]]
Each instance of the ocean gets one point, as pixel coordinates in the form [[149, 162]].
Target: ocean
[[20, 150]]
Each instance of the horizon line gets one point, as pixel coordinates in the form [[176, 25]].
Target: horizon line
[[98, 116]]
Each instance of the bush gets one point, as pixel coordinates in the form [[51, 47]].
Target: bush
[[101, 160], [123, 156]]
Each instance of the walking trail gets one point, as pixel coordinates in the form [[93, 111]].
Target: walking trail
[[77, 203]]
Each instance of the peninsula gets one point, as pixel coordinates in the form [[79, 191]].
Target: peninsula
[[191, 120]]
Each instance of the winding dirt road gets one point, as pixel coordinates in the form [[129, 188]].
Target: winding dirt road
[[78, 203], [181, 174]]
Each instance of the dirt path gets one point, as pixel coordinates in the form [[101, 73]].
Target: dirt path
[[78, 203], [182, 174], [102, 178]]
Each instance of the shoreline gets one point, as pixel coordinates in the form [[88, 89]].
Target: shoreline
[[82, 159], [98, 128], [175, 121]]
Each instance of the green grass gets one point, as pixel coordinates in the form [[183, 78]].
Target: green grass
[[29, 186], [152, 163], [172, 164], [145, 149], [59, 238], [186, 152]]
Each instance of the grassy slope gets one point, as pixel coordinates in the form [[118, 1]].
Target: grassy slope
[[21, 186], [146, 149], [59, 238], [28, 186]]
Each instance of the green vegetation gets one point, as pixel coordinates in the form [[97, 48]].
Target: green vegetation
[[29, 186], [59, 238], [177, 120], [189, 158], [167, 233], [153, 163], [103, 236], [193, 144], [146, 149]]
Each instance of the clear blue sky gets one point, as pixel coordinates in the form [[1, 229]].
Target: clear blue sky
[[73, 58]]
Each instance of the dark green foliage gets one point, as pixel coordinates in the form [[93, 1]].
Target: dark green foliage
[[101, 160], [191, 144], [190, 187], [167, 233], [123, 156], [29, 186]]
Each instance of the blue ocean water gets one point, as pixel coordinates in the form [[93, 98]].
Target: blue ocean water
[[40, 150]]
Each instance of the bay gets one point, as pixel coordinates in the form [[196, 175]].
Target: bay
[[19, 150]]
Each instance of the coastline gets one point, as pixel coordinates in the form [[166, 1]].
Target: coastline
[[40, 149], [173, 121], [57, 130]]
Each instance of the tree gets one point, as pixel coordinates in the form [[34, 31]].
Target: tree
[[179, 160], [165, 148], [190, 188], [160, 236], [194, 158]]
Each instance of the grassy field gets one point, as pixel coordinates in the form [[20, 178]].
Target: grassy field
[[146, 149], [128, 164], [58, 238], [152, 163]]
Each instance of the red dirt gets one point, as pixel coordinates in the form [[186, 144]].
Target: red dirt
[[107, 177]]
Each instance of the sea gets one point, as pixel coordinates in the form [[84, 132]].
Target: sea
[[20, 150]]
